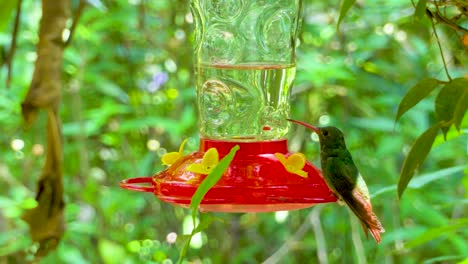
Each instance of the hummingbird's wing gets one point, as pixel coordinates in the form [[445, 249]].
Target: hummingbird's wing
[[341, 176], [351, 188]]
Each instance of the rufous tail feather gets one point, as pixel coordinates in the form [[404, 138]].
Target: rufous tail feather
[[363, 211]]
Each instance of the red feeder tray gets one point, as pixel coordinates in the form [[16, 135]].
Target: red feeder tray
[[256, 181]]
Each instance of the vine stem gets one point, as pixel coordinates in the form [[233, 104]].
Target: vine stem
[[13, 44], [440, 49], [76, 18]]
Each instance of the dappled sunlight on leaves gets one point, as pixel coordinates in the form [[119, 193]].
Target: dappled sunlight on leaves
[[129, 94]]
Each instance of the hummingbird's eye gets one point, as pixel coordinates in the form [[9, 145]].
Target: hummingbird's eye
[[325, 133]]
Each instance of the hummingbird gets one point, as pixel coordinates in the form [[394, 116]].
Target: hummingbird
[[343, 178]]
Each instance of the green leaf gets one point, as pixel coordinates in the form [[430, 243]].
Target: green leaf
[[6, 12], [422, 180], [448, 99], [111, 89], [97, 4], [416, 157], [418, 92], [111, 252], [460, 109], [6, 202], [345, 6], [437, 232], [420, 9], [211, 180], [183, 252], [29, 203], [465, 183], [13, 241], [443, 259], [182, 240], [205, 222]]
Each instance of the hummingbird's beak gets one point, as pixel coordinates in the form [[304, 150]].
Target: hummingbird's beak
[[314, 128]]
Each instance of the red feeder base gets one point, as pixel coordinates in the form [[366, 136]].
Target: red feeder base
[[256, 181]]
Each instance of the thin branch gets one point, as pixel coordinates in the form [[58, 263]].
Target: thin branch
[[283, 250], [11, 53], [441, 50], [300, 232], [358, 247], [319, 236], [76, 19], [142, 15], [436, 15]]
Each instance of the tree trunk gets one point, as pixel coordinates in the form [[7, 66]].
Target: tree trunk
[[46, 221]]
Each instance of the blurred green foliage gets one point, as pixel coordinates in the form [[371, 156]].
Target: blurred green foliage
[[119, 118]]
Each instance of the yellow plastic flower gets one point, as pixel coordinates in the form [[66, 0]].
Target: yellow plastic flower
[[209, 162], [294, 163], [172, 157]]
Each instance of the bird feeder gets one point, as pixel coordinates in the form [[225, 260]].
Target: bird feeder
[[244, 55]]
